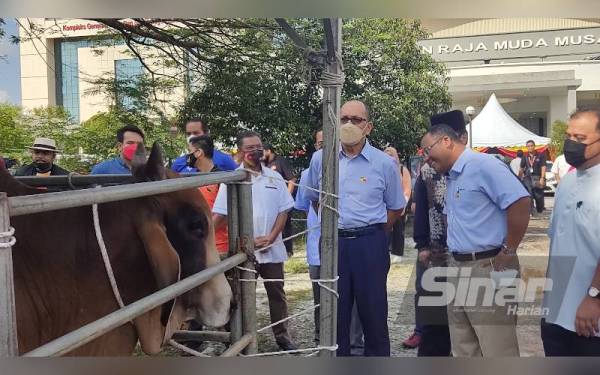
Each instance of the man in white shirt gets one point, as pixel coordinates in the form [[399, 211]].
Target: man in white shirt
[[271, 202], [560, 168], [515, 164], [570, 327]]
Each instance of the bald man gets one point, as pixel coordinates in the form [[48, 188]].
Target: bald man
[[371, 199]]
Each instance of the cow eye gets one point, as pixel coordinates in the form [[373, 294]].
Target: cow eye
[[196, 225]]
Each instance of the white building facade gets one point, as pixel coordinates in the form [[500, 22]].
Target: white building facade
[[61, 59], [540, 69]]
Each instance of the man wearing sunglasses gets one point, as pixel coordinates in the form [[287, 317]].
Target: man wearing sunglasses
[[370, 200]]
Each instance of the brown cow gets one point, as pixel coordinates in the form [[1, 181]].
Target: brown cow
[[61, 282]]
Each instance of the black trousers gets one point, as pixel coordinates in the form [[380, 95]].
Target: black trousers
[[537, 194], [560, 342], [288, 231], [430, 321], [397, 237]]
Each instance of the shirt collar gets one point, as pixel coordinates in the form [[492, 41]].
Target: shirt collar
[[590, 172], [121, 162], [366, 152], [460, 163], [262, 167]]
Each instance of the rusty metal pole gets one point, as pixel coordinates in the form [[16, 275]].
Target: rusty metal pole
[[247, 246], [8, 317]]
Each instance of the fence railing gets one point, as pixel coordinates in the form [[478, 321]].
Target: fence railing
[[243, 321]]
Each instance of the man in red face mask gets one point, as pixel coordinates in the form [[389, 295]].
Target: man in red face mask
[[271, 202], [128, 137]]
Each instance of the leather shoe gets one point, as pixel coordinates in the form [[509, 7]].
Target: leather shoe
[[286, 344]]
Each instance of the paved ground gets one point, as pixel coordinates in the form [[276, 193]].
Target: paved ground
[[533, 259]]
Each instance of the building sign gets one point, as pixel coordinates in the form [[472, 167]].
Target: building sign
[[514, 45], [78, 27]]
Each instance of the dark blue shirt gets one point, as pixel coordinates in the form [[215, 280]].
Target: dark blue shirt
[[111, 166], [220, 159]]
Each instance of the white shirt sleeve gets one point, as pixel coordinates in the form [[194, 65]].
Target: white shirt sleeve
[[286, 201], [555, 165], [220, 206]]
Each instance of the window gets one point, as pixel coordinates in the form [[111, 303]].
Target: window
[[127, 73], [67, 72]]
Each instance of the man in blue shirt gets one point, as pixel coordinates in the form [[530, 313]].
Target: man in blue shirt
[[313, 257], [194, 128], [487, 210], [128, 138], [370, 200]]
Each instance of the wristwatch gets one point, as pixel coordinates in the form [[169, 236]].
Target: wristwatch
[[594, 292], [508, 251]]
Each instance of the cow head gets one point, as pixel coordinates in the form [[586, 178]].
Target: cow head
[[178, 238]]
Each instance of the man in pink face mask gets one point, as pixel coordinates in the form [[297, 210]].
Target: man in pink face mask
[[271, 202], [128, 137]]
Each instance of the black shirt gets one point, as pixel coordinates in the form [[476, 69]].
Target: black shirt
[[30, 170], [281, 166], [532, 164]]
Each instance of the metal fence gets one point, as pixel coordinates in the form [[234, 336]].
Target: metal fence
[[243, 317]]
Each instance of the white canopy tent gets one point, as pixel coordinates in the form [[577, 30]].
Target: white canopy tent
[[493, 127]]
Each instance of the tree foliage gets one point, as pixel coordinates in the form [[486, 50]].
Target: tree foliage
[[247, 74], [557, 138]]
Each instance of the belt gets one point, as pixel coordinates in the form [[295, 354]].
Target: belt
[[357, 232], [465, 257]]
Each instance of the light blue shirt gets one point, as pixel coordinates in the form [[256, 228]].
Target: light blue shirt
[[574, 245], [479, 189], [369, 185], [312, 220], [111, 166]]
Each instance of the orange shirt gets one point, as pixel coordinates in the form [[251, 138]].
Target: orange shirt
[[221, 237]]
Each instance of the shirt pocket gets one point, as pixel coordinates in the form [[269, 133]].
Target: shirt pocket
[[469, 201]]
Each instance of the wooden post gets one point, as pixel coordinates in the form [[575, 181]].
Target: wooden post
[[329, 235], [234, 240], [8, 318], [247, 246]]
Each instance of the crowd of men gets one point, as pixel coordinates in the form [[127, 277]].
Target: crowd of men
[[471, 212]]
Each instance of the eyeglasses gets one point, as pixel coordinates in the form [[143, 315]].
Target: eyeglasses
[[253, 148], [428, 149], [353, 119]]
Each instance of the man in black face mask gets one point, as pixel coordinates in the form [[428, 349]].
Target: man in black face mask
[[43, 154], [571, 326]]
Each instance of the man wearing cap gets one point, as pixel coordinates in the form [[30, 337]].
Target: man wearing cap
[[486, 208], [128, 137], [43, 154], [370, 201]]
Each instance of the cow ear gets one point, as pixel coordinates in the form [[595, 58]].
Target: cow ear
[[155, 167], [138, 163], [156, 326]]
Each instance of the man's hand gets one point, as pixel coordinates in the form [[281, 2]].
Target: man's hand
[[542, 182], [262, 241], [586, 319], [425, 257], [504, 261]]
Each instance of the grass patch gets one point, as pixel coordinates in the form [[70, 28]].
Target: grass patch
[[296, 265]]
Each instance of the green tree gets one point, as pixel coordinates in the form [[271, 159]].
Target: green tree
[[383, 66], [14, 135], [403, 87], [557, 139]]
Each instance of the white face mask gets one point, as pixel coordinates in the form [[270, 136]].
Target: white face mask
[[350, 134]]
